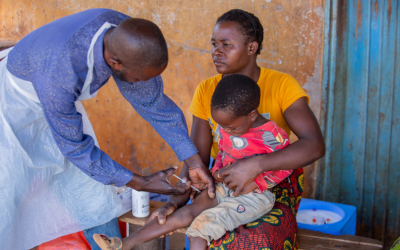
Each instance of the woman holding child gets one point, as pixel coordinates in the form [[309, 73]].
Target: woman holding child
[[237, 40]]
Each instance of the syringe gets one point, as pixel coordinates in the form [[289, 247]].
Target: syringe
[[184, 182]]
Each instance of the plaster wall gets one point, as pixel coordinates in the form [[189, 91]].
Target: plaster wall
[[293, 44]]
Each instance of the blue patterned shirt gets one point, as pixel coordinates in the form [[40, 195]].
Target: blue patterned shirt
[[54, 59]]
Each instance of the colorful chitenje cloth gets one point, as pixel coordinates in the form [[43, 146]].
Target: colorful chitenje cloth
[[274, 230]]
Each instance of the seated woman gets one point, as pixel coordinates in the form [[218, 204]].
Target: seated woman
[[237, 40]]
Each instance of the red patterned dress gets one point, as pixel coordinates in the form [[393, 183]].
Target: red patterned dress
[[264, 139]]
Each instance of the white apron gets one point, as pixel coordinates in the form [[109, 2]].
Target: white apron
[[44, 196]]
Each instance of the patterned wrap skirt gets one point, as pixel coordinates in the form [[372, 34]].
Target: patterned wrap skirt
[[274, 230]]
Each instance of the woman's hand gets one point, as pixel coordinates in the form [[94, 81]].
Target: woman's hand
[[175, 202], [240, 175], [162, 213], [217, 176], [249, 188]]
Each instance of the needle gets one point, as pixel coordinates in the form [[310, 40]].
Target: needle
[[184, 182]]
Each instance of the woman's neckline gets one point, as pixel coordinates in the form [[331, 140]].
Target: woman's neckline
[[257, 73]]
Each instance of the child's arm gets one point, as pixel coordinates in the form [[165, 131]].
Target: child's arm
[[270, 179], [273, 178]]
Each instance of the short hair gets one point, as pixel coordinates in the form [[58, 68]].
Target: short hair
[[236, 94], [250, 24], [139, 42]]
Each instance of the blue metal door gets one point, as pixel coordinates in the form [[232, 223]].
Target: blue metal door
[[361, 118]]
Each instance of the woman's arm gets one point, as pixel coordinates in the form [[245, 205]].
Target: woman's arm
[[309, 148]]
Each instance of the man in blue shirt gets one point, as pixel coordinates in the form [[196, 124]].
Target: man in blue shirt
[[69, 60]]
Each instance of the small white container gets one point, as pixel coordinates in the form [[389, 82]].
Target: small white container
[[140, 203]]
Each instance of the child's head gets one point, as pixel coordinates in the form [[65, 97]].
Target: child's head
[[234, 103], [237, 40]]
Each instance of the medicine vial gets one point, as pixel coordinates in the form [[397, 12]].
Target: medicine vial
[[140, 203]]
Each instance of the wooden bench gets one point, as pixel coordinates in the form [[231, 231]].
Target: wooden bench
[[308, 240]]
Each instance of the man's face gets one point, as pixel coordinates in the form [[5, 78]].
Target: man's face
[[132, 75]]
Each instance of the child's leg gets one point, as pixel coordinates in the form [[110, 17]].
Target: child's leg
[[183, 217], [198, 243], [230, 213]]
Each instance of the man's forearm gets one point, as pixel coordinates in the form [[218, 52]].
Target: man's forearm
[[194, 161], [137, 182]]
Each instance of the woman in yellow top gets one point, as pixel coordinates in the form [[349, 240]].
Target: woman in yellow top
[[237, 40]]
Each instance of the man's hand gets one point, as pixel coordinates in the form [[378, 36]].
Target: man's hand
[[158, 182], [200, 175], [240, 175]]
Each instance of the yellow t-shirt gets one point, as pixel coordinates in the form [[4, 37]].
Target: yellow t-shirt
[[278, 92]]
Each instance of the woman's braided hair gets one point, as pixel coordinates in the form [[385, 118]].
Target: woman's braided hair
[[251, 25]]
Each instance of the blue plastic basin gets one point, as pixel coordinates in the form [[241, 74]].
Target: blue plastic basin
[[347, 225]]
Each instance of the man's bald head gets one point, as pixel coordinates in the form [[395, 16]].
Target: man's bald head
[[138, 44]]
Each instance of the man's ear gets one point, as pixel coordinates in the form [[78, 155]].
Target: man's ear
[[253, 115], [115, 63], [252, 48]]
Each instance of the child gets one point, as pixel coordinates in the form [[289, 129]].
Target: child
[[243, 133]]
